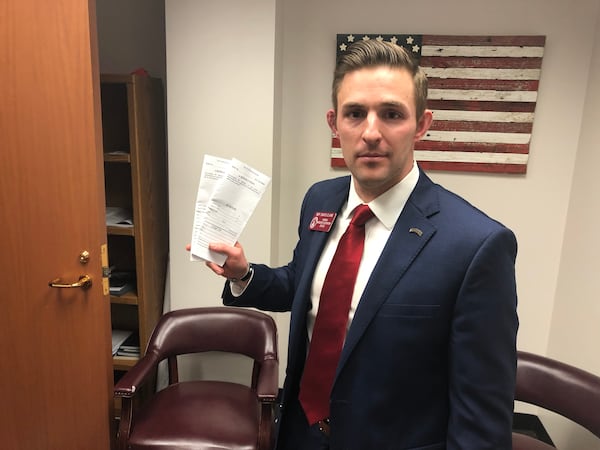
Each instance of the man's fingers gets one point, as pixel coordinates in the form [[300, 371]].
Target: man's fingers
[[225, 249], [215, 268], [235, 262], [218, 247]]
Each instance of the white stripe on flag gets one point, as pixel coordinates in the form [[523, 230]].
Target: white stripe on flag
[[482, 95], [481, 137], [471, 157], [472, 73], [482, 116], [482, 51]]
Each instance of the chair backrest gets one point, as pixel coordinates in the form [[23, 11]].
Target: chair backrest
[[226, 329], [566, 390]]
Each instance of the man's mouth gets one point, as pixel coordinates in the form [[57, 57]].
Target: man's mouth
[[369, 155]]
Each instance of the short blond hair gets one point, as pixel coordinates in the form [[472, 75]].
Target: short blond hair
[[374, 53]]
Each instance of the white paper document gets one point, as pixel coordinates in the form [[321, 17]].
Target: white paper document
[[228, 193]]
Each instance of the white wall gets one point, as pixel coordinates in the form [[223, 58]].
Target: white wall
[[220, 66], [221, 71], [576, 320]]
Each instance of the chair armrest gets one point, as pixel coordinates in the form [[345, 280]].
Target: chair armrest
[[267, 387], [136, 376], [567, 390]]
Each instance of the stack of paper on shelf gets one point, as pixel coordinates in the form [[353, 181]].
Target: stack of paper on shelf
[[118, 338], [121, 282], [119, 217], [131, 347]]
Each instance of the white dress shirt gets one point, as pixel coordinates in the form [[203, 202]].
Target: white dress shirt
[[386, 208]]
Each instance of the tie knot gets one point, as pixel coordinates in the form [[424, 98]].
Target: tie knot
[[362, 213]]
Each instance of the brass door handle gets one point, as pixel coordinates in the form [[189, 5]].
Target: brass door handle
[[84, 282]]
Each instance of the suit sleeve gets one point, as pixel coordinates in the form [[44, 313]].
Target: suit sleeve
[[482, 350], [272, 289]]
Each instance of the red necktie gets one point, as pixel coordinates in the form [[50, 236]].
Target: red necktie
[[332, 318]]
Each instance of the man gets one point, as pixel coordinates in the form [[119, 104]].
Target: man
[[429, 357]]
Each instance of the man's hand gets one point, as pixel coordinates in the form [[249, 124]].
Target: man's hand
[[236, 264]]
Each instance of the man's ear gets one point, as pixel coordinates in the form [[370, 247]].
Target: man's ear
[[423, 124], [331, 116]]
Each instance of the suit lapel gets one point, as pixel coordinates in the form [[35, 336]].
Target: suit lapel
[[330, 201], [411, 233]]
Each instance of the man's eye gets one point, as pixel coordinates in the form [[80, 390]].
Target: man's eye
[[355, 114], [392, 115]]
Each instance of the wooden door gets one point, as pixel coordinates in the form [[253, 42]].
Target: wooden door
[[56, 374]]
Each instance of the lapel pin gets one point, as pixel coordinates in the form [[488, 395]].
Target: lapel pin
[[416, 231]]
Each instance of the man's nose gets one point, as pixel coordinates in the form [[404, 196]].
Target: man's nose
[[372, 132]]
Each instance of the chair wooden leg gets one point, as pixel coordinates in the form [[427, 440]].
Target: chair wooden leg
[[125, 423], [265, 428]]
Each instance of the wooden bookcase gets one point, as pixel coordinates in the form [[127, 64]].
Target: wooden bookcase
[[135, 171]]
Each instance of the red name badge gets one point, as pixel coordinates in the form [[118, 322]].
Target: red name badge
[[322, 221]]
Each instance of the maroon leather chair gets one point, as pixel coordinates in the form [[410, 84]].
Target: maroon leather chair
[[558, 387], [203, 414]]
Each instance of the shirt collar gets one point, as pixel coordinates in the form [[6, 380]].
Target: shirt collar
[[388, 206]]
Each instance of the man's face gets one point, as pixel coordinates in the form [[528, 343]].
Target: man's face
[[377, 126]]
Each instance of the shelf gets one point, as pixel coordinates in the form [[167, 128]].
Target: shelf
[[129, 298], [124, 362], [118, 157], [120, 231], [135, 179]]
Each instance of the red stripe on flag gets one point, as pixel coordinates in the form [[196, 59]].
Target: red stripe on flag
[[338, 162], [473, 167], [476, 147], [480, 63], [472, 105], [529, 41], [483, 127], [496, 85]]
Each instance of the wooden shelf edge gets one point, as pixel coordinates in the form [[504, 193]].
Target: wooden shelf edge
[[130, 298], [119, 157], [124, 362], [120, 231]]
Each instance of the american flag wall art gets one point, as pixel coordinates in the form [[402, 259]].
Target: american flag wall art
[[483, 93]]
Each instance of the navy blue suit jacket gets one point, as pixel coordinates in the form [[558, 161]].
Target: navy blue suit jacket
[[429, 361]]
